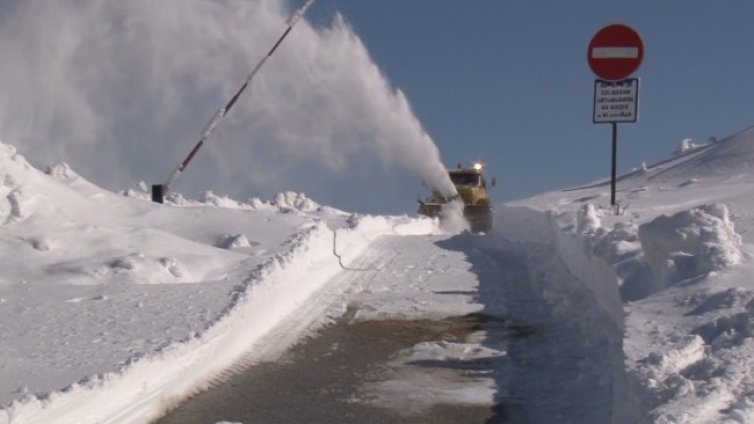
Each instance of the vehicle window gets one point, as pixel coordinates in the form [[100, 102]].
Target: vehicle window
[[466, 179]]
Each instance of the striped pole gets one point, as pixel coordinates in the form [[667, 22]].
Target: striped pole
[[159, 191]]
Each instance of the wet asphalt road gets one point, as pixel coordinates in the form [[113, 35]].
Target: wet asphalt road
[[319, 380]]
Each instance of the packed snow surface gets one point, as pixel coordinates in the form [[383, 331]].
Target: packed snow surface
[[112, 309]]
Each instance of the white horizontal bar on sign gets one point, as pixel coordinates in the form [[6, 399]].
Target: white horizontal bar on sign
[[615, 52]]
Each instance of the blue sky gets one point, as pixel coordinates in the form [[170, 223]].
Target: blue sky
[[508, 82], [124, 94]]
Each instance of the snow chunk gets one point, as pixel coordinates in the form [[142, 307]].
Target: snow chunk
[[174, 267], [128, 263], [670, 374], [61, 171], [235, 241], [256, 203], [296, 201], [587, 220], [210, 198], [413, 386], [18, 210], [7, 149], [689, 182], [10, 182], [690, 243], [285, 202], [673, 361], [143, 192], [686, 145], [11, 153], [134, 268], [618, 244], [175, 198], [42, 244]]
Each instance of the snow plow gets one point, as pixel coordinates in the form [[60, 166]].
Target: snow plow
[[472, 190]]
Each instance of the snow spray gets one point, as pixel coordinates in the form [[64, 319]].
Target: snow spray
[[115, 87], [159, 191], [451, 217]]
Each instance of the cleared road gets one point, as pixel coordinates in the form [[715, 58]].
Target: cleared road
[[526, 344], [322, 380]]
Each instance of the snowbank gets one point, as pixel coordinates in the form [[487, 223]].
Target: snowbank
[[94, 298], [580, 292], [144, 389], [288, 201], [690, 244], [574, 243], [670, 371], [672, 269]]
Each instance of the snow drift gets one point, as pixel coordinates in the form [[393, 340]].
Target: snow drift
[[672, 268], [689, 244], [131, 319]]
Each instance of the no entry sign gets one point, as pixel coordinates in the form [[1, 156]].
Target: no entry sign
[[615, 52]]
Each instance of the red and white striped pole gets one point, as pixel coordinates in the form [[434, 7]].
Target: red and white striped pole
[[159, 191]]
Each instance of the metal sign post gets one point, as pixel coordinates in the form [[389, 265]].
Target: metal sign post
[[615, 101], [614, 53]]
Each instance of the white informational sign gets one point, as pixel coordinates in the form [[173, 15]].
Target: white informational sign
[[616, 101]]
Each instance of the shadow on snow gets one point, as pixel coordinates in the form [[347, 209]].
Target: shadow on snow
[[564, 358]]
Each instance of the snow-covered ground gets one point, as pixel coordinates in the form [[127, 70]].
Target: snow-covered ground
[[112, 308], [107, 300], [677, 257]]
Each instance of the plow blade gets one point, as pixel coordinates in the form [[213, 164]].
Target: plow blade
[[479, 217]]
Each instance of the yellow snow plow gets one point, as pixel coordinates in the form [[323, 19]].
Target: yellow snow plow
[[472, 189]]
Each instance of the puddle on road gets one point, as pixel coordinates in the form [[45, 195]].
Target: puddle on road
[[326, 378]]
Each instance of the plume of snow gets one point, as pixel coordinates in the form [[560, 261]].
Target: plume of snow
[[451, 216], [121, 89]]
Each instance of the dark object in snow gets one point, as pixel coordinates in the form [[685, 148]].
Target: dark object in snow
[[158, 194]]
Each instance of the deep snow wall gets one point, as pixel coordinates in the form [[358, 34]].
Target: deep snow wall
[[602, 326], [521, 224]]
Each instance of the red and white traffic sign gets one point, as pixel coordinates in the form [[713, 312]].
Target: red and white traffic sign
[[615, 52]]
